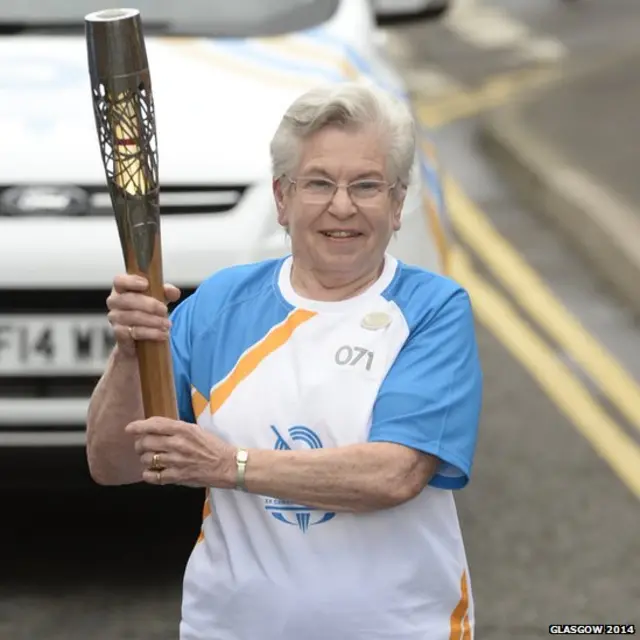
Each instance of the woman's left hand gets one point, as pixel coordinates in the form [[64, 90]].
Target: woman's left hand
[[187, 454]]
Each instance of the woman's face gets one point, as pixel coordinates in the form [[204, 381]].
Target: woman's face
[[331, 230]]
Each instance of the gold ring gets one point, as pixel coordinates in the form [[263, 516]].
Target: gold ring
[[131, 333], [155, 463], [159, 477]]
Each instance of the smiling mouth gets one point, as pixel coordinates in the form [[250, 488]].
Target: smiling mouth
[[341, 235]]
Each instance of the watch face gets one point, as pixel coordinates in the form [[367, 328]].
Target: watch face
[[242, 456]]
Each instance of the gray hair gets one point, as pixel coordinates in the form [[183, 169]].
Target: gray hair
[[348, 105]]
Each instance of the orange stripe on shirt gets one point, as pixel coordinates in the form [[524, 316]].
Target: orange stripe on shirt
[[248, 363], [466, 628], [459, 622], [198, 402]]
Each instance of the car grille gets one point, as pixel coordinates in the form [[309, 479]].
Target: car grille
[[51, 302], [174, 199]]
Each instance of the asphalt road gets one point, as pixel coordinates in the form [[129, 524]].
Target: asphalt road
[[552, 533]]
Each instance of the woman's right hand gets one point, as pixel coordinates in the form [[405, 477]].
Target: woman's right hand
[[134, 315]]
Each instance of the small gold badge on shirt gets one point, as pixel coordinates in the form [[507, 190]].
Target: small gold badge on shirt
[[376, 320]]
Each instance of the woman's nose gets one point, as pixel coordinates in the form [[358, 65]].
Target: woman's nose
[[342, 204]]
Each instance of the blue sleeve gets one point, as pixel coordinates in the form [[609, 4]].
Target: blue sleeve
[[431, 398], [180, 341]]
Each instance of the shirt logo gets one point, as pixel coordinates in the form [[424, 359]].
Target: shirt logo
[[284, 510]]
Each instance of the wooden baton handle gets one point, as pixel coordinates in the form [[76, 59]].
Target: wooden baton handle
[[154, 358]]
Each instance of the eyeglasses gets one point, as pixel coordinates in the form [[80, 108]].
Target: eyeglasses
[[314, 190]]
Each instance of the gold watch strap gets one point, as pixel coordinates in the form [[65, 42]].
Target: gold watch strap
[[242, 455]]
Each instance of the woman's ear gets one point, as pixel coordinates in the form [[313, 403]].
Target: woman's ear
[[277, 190], [396, 208], [280, 200]]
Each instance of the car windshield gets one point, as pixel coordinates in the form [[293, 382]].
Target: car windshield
[[213, 18]]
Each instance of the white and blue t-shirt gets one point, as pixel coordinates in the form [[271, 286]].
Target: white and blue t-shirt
[[262, 367]]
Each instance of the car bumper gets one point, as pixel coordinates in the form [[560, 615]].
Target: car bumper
[[38, 422]]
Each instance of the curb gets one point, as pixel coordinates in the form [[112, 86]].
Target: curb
[[603, 228]]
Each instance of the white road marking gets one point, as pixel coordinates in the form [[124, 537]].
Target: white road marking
[[488, 27], [543, 50]]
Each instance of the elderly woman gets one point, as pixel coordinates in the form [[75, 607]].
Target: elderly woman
[[329, 403]]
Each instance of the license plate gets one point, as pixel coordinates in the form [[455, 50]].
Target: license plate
[[54, 345]]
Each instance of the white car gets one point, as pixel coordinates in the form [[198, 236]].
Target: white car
[[220, 87]]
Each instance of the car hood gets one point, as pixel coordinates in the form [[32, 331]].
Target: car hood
[[217, 104]]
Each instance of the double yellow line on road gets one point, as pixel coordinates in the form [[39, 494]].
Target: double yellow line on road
[[538, 305], [515, 332], [529, 290]]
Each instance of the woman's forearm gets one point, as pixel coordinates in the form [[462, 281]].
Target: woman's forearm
[[356, 478], [115, 402]]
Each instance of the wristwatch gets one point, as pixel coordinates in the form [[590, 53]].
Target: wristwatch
[[242, 455]]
